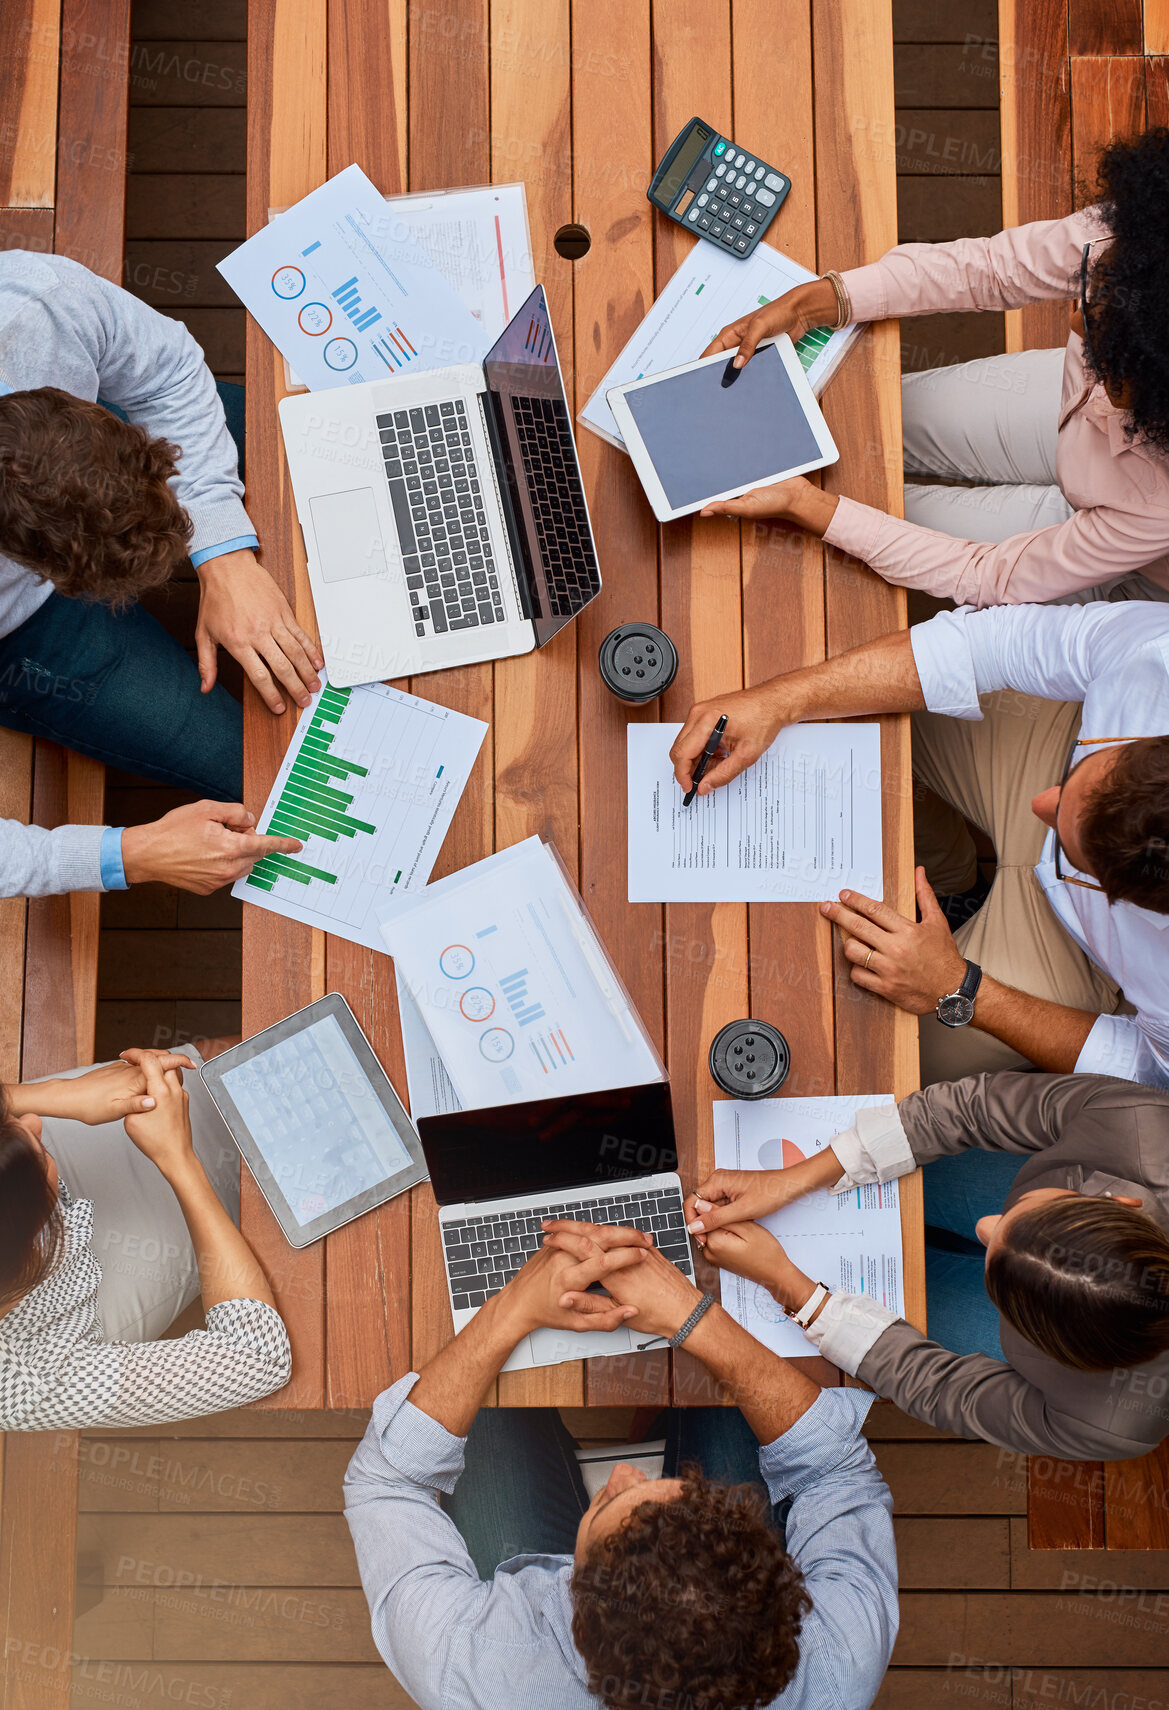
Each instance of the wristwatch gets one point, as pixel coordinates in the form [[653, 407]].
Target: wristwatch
[[804, 1316], [957, 1008]]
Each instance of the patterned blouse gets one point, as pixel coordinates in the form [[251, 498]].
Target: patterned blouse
[[57, 1371]]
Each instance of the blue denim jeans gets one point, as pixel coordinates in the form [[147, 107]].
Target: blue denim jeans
[[121, 690], [958, 1191], [522, 1493]]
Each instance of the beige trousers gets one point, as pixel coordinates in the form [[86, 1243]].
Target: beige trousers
[[987, 773]]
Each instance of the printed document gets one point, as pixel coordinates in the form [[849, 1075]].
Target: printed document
[[370, 784], [710, 289], [429, 1085], [344, 292], [799, 825], [514, 986], [479, 241], [848, 1240]]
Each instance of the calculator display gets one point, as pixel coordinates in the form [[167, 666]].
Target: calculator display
[[679, 167]]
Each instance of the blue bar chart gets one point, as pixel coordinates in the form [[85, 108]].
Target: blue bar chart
[[348, 297], [515, 990]]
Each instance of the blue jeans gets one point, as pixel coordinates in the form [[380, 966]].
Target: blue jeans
[[120, 689], [958, 1191], [522, 1493]]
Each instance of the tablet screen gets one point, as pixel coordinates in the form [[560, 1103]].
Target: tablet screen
[[316, 1120], [704, 438]]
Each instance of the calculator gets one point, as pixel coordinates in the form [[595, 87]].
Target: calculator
[[716, 189]]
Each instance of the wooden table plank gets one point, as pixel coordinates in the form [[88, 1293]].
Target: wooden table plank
[[1105, 27], [449, 144], [535, 695], [30, 39], [876, 1045], [1035, 124], [38, 1553], [1108, 100], [284, 962], [367, 1263], [701, 606], [614, 288]]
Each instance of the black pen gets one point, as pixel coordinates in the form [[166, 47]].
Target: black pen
[[704, 759]]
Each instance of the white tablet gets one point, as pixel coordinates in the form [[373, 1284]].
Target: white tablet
[[694, 439], [316, 1119]]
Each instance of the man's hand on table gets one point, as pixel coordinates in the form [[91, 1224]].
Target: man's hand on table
[[551, 1290], [198, 847], [242, 609], [754, 717], [661, 1298], [911, 963]]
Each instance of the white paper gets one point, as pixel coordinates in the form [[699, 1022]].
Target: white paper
[[479, 241], [513, 986], [799, 825], [710, 289], [414, 760], [429, 1085], [849, 1241], [346, 295]]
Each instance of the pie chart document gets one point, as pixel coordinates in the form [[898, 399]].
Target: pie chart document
[[514, 987], [849, 1241]]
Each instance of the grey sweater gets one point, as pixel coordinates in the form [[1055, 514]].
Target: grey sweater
[[61, 325], [39, 863]]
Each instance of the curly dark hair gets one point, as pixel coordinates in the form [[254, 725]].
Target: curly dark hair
[[1084, 1280], [84, 498], [693, 1602], [1125, 826], [1128, 285]]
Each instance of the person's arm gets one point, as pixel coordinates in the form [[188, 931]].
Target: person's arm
[[198, 847], [878, 677]]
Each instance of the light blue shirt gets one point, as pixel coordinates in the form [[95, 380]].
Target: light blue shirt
[[113, 873], [457, 1642]]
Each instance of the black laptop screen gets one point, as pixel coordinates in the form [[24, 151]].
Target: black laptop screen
[[594, 1139]]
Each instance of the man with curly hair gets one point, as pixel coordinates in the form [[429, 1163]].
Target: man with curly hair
[[98, 505], [1040, 473], [759, 1570]]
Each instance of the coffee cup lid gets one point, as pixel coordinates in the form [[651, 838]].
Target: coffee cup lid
[[749, 1059], [638, 661]]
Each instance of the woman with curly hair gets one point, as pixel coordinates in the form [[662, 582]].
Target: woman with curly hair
[[1047, 473]]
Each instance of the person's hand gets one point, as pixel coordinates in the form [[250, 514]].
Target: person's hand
[[551, 1289], [242, 609], [162, 1133], [754, 717], [661, 1296], [106, 1094], [911, 964], [796, 500], [198, 847], [751, 1251], [741, 1196], [795, 313]]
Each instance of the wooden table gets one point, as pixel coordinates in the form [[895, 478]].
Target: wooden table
[[579, 99]]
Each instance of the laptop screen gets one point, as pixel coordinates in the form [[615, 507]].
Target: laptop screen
[[595, 1139], [533, 432]]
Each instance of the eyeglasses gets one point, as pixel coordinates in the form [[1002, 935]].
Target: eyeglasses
[[1083, 300], [1080, 742]]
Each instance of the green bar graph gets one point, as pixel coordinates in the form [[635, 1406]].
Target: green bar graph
[[309, 803]]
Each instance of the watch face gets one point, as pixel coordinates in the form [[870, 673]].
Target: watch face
[[955, 1010]]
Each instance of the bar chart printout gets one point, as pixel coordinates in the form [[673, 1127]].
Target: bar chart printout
[[369, 786]]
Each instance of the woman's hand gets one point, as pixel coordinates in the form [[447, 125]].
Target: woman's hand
[[162, 1133], [795, 313], [106, 1094], [743, 1196], [751, 1251]]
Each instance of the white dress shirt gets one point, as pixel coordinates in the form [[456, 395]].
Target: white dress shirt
[[1114, 658]]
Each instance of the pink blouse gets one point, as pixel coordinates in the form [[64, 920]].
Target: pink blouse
[[1119, 488]]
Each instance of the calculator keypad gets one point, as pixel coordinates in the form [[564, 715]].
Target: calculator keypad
[[735, 201]]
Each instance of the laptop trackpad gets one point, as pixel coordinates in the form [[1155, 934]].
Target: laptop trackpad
[[349, 535]]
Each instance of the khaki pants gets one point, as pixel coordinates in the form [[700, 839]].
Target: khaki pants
[[987, 773]]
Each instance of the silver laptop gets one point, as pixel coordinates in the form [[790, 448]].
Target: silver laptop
[[444, 514], [604, 1157]]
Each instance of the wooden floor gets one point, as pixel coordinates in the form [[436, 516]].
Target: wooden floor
[[214, 1564]]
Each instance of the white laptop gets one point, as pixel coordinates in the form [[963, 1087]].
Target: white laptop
[[601, 1157], [444, 514]]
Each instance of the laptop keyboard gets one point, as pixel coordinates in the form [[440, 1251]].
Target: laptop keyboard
[[437, 497], [484, 1253], [566, 542]]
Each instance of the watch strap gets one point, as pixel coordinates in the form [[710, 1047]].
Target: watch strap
[[971, 980], [811, 1306]]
